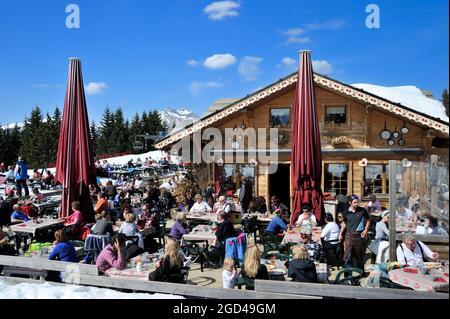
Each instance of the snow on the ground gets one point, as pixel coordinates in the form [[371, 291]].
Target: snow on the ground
[[48, 291], [123, 160], [409, 96]]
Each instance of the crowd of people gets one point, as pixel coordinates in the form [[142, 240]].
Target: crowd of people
[[132, 213]]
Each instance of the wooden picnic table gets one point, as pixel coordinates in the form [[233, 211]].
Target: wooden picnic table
[[131, 272], [201, 233], [54, 202], [294, 236], [31, 227], [280, 271], [261, 218], [420, 282], [208, 217]]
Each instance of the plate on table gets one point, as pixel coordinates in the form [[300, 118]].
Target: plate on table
[[270, 268], [278, 272], [432, 265]]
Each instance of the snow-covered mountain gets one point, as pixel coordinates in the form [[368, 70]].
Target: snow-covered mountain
[[177, 119]]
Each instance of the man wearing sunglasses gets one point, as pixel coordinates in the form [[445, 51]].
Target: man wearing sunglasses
[[356, 226]]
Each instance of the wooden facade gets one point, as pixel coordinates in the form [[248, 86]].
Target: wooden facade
[[343, 145]]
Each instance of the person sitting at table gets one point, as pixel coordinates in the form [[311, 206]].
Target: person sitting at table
[[380, 246], [301, 268], [111, 255], [276, 205], [36, 178], [277, 225], [64, 249], [222, 205], [5, 248], [225, 229], [170, 264], [17, 215], [404, 214], [49, 179], [139, 184], [110, 190], [330, 240], [414, 251], [10, 177], [104, 225], [374, 204], [76, 218], [130, 229], [315, 250], [252, 267], [306, 219], [102, 203], [200, 206], [36, 196], [433, 224], [179, 228]]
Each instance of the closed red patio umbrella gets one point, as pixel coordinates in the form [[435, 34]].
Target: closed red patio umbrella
[[75, 168], [306, 158]]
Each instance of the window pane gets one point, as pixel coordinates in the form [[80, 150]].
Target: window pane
[[280, 117], [335, 115], [336, 176], [376, 179]]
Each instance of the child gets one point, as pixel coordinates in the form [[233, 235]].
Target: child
[[229, 273]]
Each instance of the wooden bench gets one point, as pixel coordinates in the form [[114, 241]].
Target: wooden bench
[[88, 275], [341, 291]]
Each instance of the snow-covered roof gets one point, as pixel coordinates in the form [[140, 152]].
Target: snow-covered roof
[[414, 105], [409, 96]]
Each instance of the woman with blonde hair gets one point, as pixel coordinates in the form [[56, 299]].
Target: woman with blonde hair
[[170, 264], [252, 268], [301, 268]]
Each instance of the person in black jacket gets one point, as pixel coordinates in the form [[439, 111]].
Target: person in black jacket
[[301, 268], [168, 269], [226, 228]]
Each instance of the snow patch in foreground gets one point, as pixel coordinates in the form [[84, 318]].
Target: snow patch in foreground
[[48, 291], [409, 96]]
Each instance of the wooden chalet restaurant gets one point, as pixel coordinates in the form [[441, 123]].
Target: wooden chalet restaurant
[[360, 133]]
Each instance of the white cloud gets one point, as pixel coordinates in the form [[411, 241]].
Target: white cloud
[[95, 88], [322, 66], [198, 87], [222, 9], [193, 62], [219, 61], [293, 36], [287, 61], [299, 35], [293, 32], [249, 68], [333, 24], [46, 86]]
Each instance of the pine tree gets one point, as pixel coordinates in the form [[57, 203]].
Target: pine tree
[[119, 133], [33, 139], [105, 141], [445, 101], [95, 137]]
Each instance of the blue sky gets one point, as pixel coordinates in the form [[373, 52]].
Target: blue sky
[[135, 53]]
